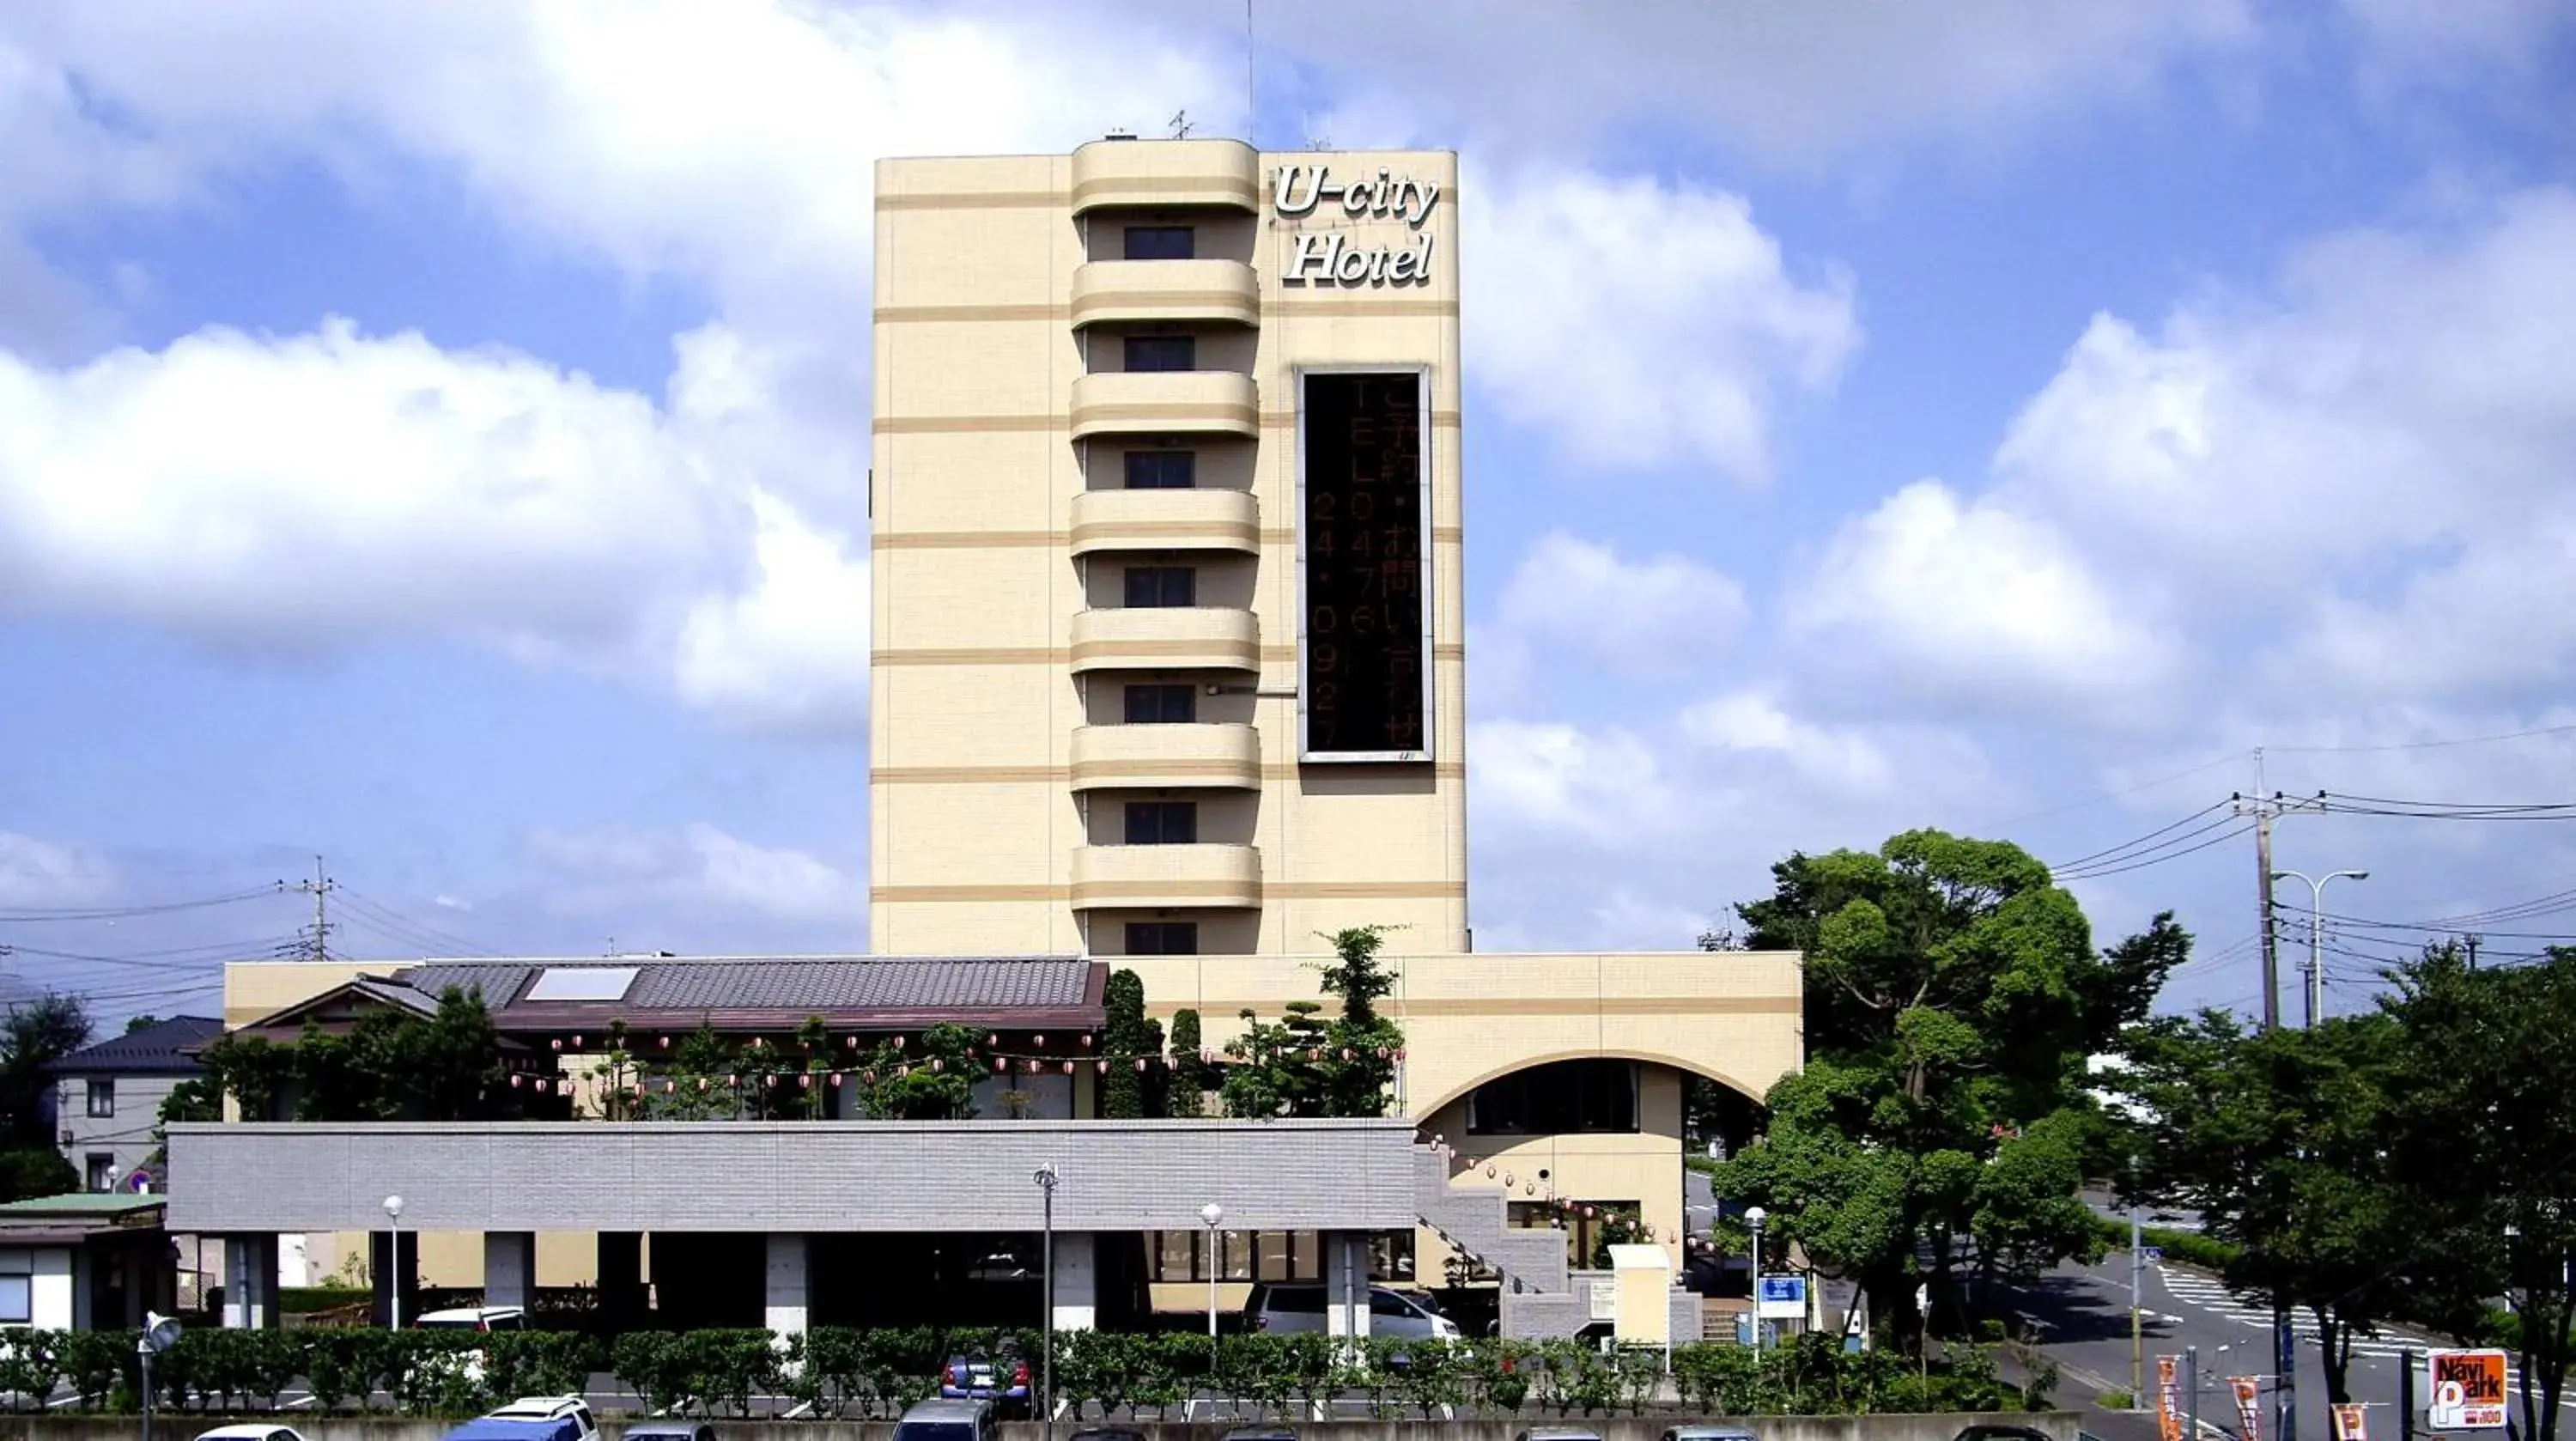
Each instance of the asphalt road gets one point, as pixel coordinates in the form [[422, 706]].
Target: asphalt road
[[2081, 1317]]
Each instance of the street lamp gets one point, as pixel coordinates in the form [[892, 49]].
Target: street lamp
[[1754, 1216], [1045, 1176], [1214, 1215], [2316, 932], [393, 1258]]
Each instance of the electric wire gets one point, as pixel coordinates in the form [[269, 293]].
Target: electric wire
[[2159, 855], [2120, 851], [119, 913]]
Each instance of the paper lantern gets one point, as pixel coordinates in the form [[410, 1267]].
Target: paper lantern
[[1347, 1054], [1140, 1064], [576, 1043], [1068, 1068], [1587, 1213], [666, 1043], [898, 1043], [557, 1043], [1381, 1055], [1039, 1039], [1207, 1058], [669, 1086], [1086, 1040], [772, 1080], [805, 1081], [1489, 1172], [1000, 1065], [517, 1081], [851, 1042], [870, 1077], [937, 1065], [734, 1079], [1102, 1066], [639, 1089], [542, 1084], [702, 1084], [1399, 1053], [993, 1038]]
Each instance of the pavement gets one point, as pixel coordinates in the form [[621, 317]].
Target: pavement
[[2080, 1318]]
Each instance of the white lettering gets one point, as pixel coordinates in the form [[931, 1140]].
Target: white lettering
[[1284, 197], [1399, 267], [1430, 195], [1347, 273], [1313, 261], [1355, 200]]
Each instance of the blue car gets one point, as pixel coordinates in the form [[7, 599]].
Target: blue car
[[1002, 1380], [489, 1428]]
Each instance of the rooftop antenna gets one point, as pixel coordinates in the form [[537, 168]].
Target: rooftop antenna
[[1180, 123]]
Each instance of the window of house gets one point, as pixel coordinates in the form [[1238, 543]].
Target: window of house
[[1161, 242], [17, 1290], [1561, 1098], [1162, 704], [99, 1172], [1162, 469], [1162, 585], [1162, 823], [1162, 352], [102, 1097], [1162, 938]]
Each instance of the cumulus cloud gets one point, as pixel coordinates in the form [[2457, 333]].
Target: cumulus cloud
[[1581, 603], [678, 875], [1641, 323]]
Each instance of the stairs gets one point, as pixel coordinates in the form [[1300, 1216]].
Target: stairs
[[1540, 1295]]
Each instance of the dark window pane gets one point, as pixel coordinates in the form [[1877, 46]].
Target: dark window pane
[[1162, 469], [1162, 704], [1561, 1098], [1161, 242], [1362, 532], [1162, 352], [1162, 823], [1162, 585], [1162, 938]]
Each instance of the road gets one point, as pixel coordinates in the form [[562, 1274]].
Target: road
[[2081, 1316]]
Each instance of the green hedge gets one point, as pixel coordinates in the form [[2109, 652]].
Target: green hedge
[[841, 1372], [2190, 1247]]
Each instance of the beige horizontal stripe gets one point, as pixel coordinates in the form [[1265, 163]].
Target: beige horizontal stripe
[[1152, 529], [1228, 301], [968, 893], [973, 200], [1240, 192], [1094, 772], [1122, 649], [950, 424], [1363, 890], [962, 775], [901, 314], [967, 655], [966, 539], [1172, 410], [1092, 894], [1295, 304]]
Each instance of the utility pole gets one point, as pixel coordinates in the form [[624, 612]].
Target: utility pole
[[2137, 1323], [320, 889]]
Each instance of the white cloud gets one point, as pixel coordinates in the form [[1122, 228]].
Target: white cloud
[[788, 884], [1579, 601], [1640, 323], [1973, 602], [38, 873], [686, 873]]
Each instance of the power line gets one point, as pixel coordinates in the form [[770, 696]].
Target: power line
[[2422, 745], [2104, 856], [119, 913], [437, 939], [2160, 855]]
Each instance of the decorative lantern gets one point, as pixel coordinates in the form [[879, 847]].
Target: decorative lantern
[[1000, 1065], [576, 1043], [898, 1043], [702, 1083], [1507, 1180], [1587, 1213], [1140, 1065], [937, 1065], [1207, 1058], [669, 1086], [1086, 1040], [836, 1080], [1382, 1055], [1399, 1053], [666, 1043], [1102, 1066], [772, 1080], [733, 1079], [1489, 1171], [850, 1042], [517, 1081], [1039, 1039], [805, 1081], [542, 1084], [993, 1038], [557, 1043], [869, 1077], [1068, 1068]]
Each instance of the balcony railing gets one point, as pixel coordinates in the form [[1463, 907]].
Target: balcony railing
[[1166, 638], [1169, 877]]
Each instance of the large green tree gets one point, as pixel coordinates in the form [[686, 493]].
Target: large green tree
[[1131, 1043], [1307, 1065], [1942, 1126], [34, 1034], [2279, 1143]]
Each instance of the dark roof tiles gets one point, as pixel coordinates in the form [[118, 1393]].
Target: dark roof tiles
[[159, 1047], [800, 983]]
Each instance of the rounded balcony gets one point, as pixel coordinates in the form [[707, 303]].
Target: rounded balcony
[[1166, 402], [1167, 174], [1151, 292], [1129, 757], [1204, 877], [1105, 520], [1166, 638]]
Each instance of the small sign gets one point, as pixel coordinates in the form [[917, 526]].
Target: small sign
[[1782, 1297], [2168, 1399], [2468, 1390], [139, 1181], [2351, 1423], [2151, 1253], [2249, 1406]]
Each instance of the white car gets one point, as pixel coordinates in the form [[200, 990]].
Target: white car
[[551, 1408], [250, 1431], [1299, 1306], [476, 1318]]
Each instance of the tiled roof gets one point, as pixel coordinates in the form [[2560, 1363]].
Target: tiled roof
[[837, 986], [159, 1047]]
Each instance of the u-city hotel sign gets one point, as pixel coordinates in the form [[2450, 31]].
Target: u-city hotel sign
[[1339, 257]]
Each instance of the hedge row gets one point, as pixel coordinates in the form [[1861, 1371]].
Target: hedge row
[[839, 1372], [2189, 1247]]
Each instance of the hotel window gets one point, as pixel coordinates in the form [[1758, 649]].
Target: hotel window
[[1162, 585], [1162, 352], [1247, 1256], [1162, 823], [1558, 1099], [1162, 938], [102, 1098], [1162, 469], [99, 1172], [1161, 242], [1162, 704]]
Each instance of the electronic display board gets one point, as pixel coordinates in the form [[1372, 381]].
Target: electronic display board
[[1364, 635]]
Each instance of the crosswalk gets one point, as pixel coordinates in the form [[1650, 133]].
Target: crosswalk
[[2207, 1294]]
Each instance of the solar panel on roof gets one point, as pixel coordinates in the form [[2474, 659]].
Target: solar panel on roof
[[582, 983]]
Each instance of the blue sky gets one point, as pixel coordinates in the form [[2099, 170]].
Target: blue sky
[[433, 437]]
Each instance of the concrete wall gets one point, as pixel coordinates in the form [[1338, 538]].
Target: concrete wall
[[2059, 1424]]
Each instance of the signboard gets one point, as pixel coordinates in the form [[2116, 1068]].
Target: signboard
[[2350, 1423], [2249, 1406], [1782, 1298], [1364, 559], [2168, 1399], [2467, 1389], [139, 1181], [2151, 1253]]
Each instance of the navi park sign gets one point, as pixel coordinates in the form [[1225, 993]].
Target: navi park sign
[[1334, 257]]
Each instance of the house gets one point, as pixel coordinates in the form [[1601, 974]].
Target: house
[[108, 1097]]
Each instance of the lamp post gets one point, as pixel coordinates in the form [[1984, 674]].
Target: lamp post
[[1045, 1176], [1754, 1216], [393, 1259], [1214, 1215], [2316, 987]]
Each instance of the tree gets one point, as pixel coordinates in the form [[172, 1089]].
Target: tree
[[1303, 1065], [1124, 1041], [932, 1080], [141, 1022], [1186, 1097], [2279, 1142], [2487, 1142], [35, 1034], [1941, 1125]]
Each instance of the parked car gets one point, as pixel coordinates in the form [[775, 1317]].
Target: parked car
[[1996, 1431], [250, 1431], [531, 1418], [1106, 1433], [1002, 1379], [1299, 1306], [1559, 1433], [1261, 1433], [475, 1318], [1710, 1433], [951, 1420], [667, 1430]]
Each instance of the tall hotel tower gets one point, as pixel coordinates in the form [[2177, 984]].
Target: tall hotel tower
[[1168, 626]]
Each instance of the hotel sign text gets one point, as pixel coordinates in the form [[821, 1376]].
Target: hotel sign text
[[1330, 257]]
